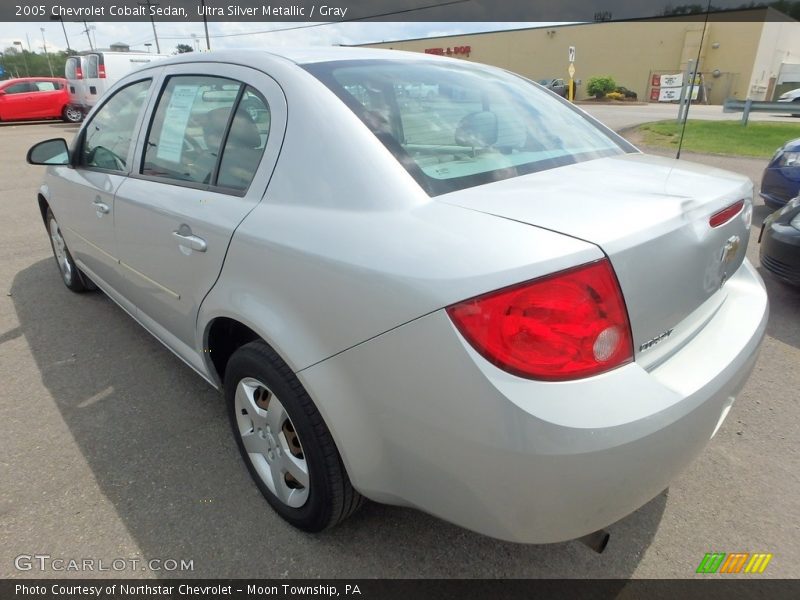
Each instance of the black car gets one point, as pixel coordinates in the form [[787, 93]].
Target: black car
[[781, 180], [780, 243]]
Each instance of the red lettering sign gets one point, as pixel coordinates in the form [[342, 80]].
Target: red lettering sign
[[454, 51]]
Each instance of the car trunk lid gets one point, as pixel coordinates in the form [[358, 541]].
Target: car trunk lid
[[650, 215]]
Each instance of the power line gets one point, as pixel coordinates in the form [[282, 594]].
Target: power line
[[294, 27]]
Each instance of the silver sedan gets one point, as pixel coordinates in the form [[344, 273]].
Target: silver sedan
[[479, 301]]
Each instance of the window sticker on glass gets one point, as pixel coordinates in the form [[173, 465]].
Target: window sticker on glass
[[172, 133]]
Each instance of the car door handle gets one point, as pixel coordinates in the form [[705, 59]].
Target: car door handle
[[194, 242], [101, 207]]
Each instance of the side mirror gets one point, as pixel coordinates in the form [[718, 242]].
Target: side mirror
[[49, 152]]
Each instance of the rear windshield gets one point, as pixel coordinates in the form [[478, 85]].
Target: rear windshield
[[71, 68], [456, 126], [90, 66]]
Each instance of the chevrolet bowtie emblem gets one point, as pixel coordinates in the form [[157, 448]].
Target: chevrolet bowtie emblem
[[730, 249]]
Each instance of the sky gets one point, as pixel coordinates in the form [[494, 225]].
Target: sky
[[228, 34]]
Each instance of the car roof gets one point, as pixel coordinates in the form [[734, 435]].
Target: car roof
[[25, 79], [300, 55]]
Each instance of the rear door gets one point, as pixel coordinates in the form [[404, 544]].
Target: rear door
[[47, 98], [209, 150], [92, 84], [73, 71]]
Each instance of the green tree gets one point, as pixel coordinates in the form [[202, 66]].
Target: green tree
[[23, 63], [183, 49], [601, 85]]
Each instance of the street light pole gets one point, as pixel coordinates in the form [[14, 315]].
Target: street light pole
[[44, 46], [24, 60]]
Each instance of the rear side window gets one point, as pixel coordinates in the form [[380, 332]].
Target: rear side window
[[207, 131], [245, 143], [110, 133], [454, 126], [46, 86]]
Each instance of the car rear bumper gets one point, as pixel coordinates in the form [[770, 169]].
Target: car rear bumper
[[422, 420]]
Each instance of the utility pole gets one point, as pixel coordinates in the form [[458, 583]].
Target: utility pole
[[88, 37], [148, 4], [205, 24], [44, 46], [64, 29]]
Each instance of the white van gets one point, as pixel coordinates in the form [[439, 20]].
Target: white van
[[90, 74]]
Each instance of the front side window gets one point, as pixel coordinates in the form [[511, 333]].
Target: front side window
[[456, 126], [207, 130], [111, 132], [19, 88]]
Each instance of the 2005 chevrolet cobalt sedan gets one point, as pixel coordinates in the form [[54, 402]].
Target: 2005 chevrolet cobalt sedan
[[481, 302]]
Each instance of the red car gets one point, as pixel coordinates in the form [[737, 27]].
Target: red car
[[35, 98]]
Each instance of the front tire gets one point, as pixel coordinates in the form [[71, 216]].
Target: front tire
[[70, 274], [284, 442]]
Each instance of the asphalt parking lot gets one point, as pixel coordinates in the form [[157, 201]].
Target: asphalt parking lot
[[111, 448]]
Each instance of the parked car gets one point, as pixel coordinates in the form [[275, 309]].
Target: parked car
[[791, 96], [90, 74], [30, 98], [626, 92], [431, 305], [780, 243], [781, 179], [559, 86]]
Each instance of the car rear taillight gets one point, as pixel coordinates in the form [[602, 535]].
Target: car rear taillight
[[726, 214], [568, 325], [78, 73], [101, 71]]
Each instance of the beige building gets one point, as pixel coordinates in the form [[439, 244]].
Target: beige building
[[757, 56]]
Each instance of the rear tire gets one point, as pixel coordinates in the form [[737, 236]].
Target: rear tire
[[284, 442], [70, 114]]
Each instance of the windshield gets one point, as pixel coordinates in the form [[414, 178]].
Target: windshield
[[456, 126]]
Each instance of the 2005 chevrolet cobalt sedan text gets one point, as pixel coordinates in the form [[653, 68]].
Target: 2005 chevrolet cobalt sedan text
[[481, 302]]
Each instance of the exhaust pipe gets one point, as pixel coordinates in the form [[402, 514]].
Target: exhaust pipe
[[597, 541]]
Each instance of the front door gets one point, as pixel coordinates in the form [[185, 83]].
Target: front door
[[210, 148], [83, 201]]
